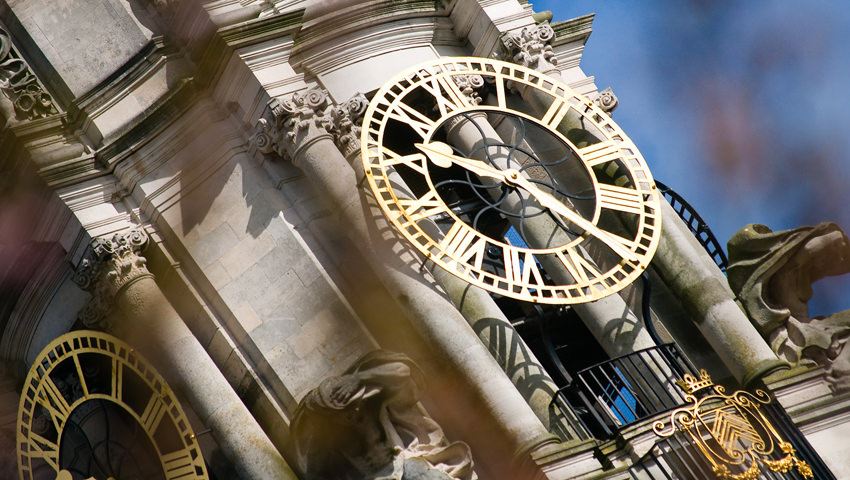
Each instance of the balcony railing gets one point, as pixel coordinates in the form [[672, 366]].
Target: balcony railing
[[627, 389], [695, 224]]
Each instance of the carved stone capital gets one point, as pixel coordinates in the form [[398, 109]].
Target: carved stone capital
[[470, 86], [607, 101], [531, 48], [110, 265], [19, 84], [289, 122], [343, 122]]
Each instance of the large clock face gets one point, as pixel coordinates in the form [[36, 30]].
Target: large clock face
[[540, 197], [92, 407]]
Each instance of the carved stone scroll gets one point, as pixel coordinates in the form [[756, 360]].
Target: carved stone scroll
[[772, 273], [19, 84], [367, 424]]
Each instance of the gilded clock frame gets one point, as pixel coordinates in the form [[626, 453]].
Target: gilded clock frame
[[615, 147], [186, 463]]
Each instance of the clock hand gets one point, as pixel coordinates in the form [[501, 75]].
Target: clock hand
[[442, 155], [556, 206]]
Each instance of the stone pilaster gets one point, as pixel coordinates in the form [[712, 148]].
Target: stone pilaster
[[500, 423], [117, 276]]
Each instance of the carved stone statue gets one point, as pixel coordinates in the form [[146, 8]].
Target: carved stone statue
[[772, 273], [367, 424]]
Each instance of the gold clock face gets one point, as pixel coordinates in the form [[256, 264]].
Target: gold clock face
[[539, 197], [93, 407]]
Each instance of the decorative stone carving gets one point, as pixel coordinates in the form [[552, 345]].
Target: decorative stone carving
[[343, 122], [111, 264], [607, 101], [284, 120], [470, 86], [20, 86], [367, 424], [772, 273], [531, 47]]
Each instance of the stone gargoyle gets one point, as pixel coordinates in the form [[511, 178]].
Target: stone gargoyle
[[772, 273], [367, 424]]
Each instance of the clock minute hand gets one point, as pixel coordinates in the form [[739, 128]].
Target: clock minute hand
[[556, 206]]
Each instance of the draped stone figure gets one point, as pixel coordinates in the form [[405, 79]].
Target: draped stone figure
[[772, 273], [367, 424]]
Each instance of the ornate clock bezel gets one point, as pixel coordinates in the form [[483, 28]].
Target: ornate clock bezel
[[40, 389], [616, 146]]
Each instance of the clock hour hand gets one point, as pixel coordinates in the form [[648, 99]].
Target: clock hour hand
[[443, 156]]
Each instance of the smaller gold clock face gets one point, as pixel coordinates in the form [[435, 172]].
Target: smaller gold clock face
[[538, 196], [93, 407]]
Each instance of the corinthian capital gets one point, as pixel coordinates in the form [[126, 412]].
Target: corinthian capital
[[110, 265], [288, 122], [530, 47], [343, 122]]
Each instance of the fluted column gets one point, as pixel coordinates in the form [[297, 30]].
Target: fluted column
[[293, 128], [683, 264], [475, 304], [128, 302]]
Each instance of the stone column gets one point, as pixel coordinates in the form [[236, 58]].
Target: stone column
[[128, 302], [685, 267], [293, 128], [475, 304]]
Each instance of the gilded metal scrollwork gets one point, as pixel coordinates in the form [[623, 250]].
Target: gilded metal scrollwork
[[731, 431]]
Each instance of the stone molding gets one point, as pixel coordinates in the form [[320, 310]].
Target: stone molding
[[110, 265], [532, 48], [20, 85]]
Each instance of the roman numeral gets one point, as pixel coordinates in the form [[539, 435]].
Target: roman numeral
[[423, 207], [182, 464], [52, 400], [409, 116], [618, 198], [501, 97], [521, 268], [117, 379], [452, 100], [79, 367], [557, 111], [416, 161], [464, 244], [154, 411], [598, 153], [43, 448], [579, 268]]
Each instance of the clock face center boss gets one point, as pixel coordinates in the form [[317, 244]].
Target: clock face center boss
[[510, 180]]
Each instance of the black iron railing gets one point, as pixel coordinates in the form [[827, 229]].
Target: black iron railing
[[695, 224], [626, 389]]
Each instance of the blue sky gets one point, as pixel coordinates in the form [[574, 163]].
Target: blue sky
[[742, 107]]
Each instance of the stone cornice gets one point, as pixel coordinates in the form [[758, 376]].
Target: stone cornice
[[574, 30]]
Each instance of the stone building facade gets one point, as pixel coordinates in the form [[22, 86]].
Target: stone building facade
[[184, 175]]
